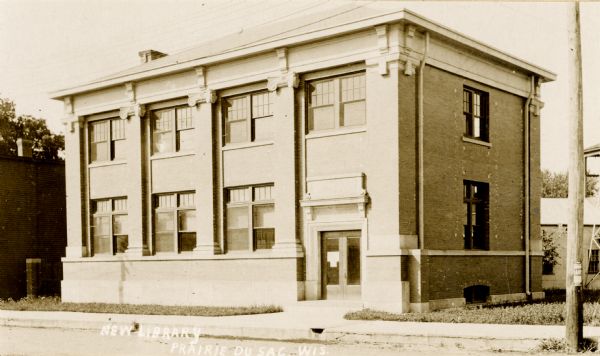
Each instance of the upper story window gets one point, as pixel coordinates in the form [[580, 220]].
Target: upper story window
[[109, 226], [476, 114], [250, 218], [337, 102], [476, 210], [248, 118], [107, 140], [174, 222], [172, 130]]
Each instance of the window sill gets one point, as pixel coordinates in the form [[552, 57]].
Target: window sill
[[185, 256], [107, 163], [242, 145], [158, 156], [476, 141], [335, 132]]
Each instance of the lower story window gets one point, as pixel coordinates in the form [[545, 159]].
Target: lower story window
[[109, 227], [476, 213], [594, 261], [476, 294], [174, 222], [250, 218], [547, 268]]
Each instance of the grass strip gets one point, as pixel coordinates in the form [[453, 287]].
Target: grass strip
[[550, 311], [55, 304]]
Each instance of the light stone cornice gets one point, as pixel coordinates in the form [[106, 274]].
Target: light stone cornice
[[405, 16]]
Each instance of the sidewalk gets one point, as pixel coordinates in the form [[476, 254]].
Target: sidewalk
[[308, 323]]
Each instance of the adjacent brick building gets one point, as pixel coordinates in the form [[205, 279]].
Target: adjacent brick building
[[371, 155], [32, 223]]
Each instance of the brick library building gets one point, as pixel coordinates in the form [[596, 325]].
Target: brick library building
[[373, 156]]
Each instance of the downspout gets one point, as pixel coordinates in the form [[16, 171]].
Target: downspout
[[526, 187], [421, 195]]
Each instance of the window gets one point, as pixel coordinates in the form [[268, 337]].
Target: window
[[547, 268], [250, 218], [174, 222], [476, 294], [476, 210], [107, 140], [594, 261], [172, 130], [248, 118], [475, 110], [337, 102], [109, 226]]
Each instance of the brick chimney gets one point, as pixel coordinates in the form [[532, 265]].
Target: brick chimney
[[24, 148], [150, 55]]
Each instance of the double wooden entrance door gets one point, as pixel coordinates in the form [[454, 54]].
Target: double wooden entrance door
[[340, 264]]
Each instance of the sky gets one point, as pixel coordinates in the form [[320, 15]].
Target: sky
[[46, 45]]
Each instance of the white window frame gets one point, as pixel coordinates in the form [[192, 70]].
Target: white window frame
[[174, 211], [250, 205], [337, 102], [175, 129], [250, 118], [110, 215], [110, 149], [484, 114]]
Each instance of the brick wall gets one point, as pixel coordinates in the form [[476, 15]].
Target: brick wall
[[32, 223], [449, 275], [448, 161]]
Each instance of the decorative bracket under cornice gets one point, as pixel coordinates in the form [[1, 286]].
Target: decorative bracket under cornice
[[138, 110], [282, 59], [201, 77], [71, 121], [289, 80], [407, 63], [205, 96], [286, 78], [409, 39], [382, 39], [389, 53], [130, 91], [536, 106], [68, 105]]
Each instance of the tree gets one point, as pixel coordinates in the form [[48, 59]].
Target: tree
[[46, 145], [556, 185], [549, 239]]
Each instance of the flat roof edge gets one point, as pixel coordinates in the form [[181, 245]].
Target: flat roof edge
[[406, 15]]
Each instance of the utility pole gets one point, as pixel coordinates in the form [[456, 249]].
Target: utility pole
[[574, 321]]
